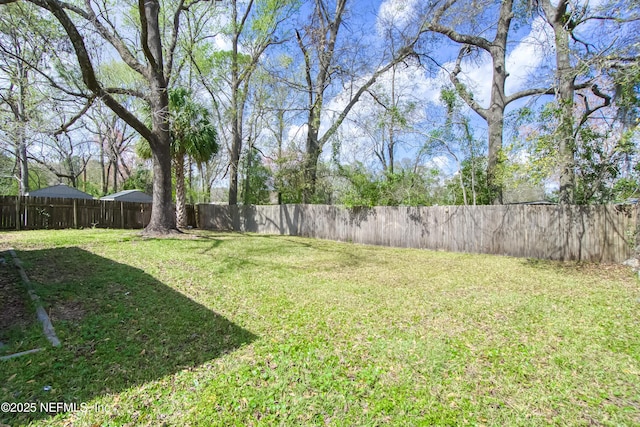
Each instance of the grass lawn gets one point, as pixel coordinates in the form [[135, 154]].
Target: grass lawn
[[232, 329]]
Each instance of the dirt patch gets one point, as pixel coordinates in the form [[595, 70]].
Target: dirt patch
[[52, 270], [67, 310], [15, 311]]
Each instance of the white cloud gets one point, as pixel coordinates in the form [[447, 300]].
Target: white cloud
[[222, 43], [395, 13], [528, 55], [444, 163], [296, 135]]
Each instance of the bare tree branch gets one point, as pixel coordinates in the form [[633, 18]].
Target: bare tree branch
[[144, 35], [460, 87], [86, 66], [168, 66], [113, 39], [65, 127]]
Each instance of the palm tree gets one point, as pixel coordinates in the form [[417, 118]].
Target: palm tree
[[192, 135]]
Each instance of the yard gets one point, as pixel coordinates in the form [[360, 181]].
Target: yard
[[242, 329]]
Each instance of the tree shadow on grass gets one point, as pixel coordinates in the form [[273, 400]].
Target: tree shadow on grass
[[119, 328]]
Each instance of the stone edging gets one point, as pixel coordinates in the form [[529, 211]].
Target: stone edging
[[43, 317]]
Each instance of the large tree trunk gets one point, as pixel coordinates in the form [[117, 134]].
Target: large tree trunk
[[494, 158], [23, 164], [236, 120], [163, 218], [280, 138], [495, 114], [556, 16], [566, 142], [313, 150], [234, 162]]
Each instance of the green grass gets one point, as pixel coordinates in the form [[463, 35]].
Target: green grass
[[231, 329]]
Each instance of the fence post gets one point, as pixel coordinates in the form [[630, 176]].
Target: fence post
[[122, 215], [18, 213], [75, 213]]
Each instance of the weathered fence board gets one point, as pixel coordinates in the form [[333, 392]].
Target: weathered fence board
[[30, 213], [584, 233]]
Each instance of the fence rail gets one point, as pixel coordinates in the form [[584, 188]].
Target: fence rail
[[583, 233]]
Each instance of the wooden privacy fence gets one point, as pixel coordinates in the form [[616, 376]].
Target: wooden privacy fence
[[583, 233], [31, 213]]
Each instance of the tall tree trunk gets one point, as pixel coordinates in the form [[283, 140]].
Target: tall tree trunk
[[392, 125], [246, 190], [21, 119], [163, 219], [236, 120], [190, 180], [565, 74], [566, 93], [280, 138], [313, 151], [104, 173], [115, 175], [234, 162], [181, 196], [494, 157], [23, 163]]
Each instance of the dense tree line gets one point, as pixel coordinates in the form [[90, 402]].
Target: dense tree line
[[322, 101]]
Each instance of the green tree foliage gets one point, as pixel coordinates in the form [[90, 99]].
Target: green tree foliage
[[192, 130], [254, 188], [8, 184], [402, 188], [140, 179], [290, 182], [455, 140], [605, 155], [474, 181]]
